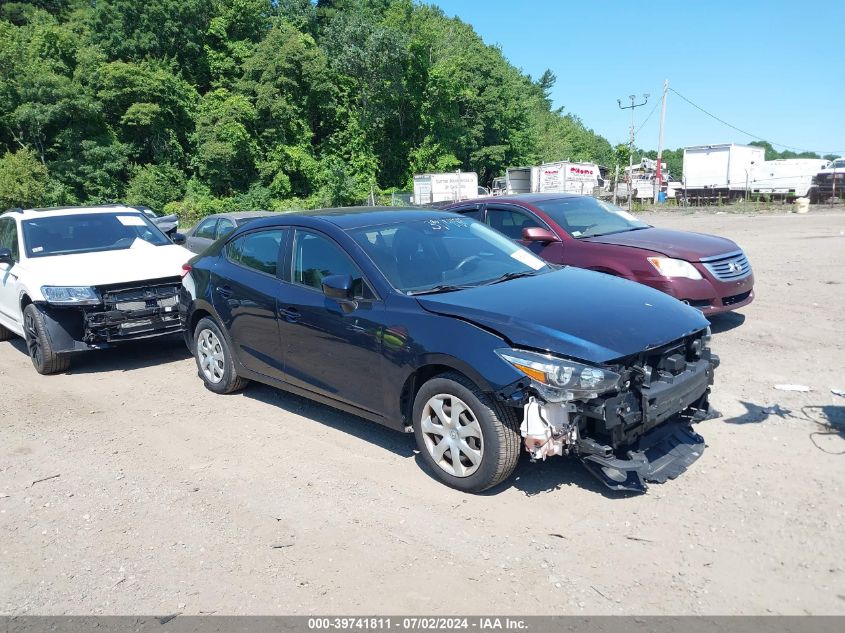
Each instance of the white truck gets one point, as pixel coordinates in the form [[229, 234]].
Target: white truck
[[787, 177], [721, 172], [829, 182], [566, 177], [446, 187]]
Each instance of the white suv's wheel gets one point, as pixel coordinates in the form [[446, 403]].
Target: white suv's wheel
[[469, 441]]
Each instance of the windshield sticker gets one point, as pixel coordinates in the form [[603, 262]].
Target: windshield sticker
[[528, 259], [446, 223], [576, 233], [37, 249], [131, 220]]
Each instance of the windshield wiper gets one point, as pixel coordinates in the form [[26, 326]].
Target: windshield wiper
[[437, 289], [512, 275]]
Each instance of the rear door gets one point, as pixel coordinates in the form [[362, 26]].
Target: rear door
[[245, 286], [328, 350]]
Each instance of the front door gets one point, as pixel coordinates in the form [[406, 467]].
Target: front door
[[9, 307], [245, 286], [328, 350]]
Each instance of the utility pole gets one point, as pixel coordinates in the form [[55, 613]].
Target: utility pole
[[631, 141], [659, 179]]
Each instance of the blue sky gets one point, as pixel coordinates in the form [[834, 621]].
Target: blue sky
[[775, 69]]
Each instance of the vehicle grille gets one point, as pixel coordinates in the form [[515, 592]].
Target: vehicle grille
[[733, 299], [143, 297], [728, 267]]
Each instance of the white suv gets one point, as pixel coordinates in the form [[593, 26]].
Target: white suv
[[75, 279]]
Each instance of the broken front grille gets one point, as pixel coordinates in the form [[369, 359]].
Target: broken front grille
[[728, 267], [143, 297]]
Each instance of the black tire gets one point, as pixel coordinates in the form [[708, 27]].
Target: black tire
[[499, 427], [38, 343], [209, 368], [5, 333]]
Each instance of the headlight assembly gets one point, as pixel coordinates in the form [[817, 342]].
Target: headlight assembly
[[669, 267], [559, 379], [70, 295]]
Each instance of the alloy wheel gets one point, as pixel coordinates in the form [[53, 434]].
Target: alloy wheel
[[32, 338]]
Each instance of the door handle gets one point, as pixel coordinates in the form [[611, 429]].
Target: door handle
[[291, 315], [225, 291]]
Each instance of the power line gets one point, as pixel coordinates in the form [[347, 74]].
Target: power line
[[754, 136], [642, 125]]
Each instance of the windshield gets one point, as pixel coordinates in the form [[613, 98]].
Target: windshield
[[588, 217], [89, 233], [444, 254], [837, 164]]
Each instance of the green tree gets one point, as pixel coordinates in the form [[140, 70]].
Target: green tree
[[225, 146], [23, 180], [155, 186]]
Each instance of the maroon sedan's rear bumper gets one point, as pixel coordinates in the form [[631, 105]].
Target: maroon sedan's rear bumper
[[710, 295]]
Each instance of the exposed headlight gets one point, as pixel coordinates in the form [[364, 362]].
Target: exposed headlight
[[559, 379], [71, 295], [669, 267]]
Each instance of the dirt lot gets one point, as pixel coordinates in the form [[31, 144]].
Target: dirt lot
[[171, 499]]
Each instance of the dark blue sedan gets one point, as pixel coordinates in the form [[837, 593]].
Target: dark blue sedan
[[436, 324]]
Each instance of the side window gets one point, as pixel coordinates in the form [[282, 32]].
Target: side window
[[258, 251], [9, 237], [469, 212], [510, 222], [206, 229], [315, 257], [224, 227]]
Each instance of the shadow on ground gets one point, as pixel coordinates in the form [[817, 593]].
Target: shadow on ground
[[401, 444], [125, 357], [725, 322], [532, 479]]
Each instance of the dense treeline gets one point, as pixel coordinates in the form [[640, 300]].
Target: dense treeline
[[197, 106]]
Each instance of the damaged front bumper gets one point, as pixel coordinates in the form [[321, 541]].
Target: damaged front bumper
[[128, 312], [640, 434]]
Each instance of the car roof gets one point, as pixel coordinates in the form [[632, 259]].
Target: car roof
[[359, 217], [28, 214], [523, 197], [240, 215]]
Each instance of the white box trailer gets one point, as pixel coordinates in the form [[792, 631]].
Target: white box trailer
[[566, 177], [788, 177], [518, 180], [447, 187], [720, 171]]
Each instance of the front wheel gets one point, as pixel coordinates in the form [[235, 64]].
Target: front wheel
[[467, 440], [38, 343], [214, 359]]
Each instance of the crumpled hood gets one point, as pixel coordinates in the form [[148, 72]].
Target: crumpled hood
[[679, 244], [573, 312], [143, 261]]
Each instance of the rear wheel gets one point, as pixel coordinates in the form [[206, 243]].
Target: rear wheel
[[38, 344], [470, 442], [214, 359]]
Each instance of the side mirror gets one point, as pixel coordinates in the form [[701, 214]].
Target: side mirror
[[539, 234], [6, 256], [178, 238], [338, 287]]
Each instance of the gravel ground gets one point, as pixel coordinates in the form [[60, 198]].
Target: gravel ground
[[166, 498]]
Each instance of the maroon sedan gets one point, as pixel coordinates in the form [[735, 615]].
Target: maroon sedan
[[707, 272]]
